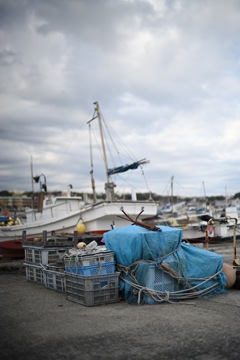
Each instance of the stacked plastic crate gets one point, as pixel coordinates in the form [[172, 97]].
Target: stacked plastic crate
[[44, 259], [91, 278]]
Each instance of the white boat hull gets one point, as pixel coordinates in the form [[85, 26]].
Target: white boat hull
[[98, 218], [62, 214]]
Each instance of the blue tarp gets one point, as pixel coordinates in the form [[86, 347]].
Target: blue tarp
[[135, 244], [195, 263], [123, 168]]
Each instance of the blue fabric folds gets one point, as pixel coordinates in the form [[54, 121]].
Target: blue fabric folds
[[133, 243], [198, 268]]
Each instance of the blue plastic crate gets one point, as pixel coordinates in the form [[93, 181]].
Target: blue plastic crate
[[92, 270], [156, 280]]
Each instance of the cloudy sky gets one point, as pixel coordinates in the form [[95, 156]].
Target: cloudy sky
[[166, 74]]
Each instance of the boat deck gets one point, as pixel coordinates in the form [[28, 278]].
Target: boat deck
[[197, 236]]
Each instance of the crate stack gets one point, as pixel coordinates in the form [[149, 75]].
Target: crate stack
[[44, 259], [91, 277]]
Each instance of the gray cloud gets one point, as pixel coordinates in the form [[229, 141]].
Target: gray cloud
[[166, 75]]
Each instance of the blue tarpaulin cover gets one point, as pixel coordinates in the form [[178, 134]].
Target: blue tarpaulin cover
[[133, 244]]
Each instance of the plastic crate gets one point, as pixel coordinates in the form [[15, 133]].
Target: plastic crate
[[34, 255], [92, 270], [157, 280], [34, 273], [54, 280], [92, 290], [90, 263], [95, 257], [58, 266], [54, 240]]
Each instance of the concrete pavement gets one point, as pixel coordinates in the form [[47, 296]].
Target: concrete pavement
[[39, 323]]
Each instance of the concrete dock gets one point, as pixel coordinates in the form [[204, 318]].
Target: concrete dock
[[39, 323]]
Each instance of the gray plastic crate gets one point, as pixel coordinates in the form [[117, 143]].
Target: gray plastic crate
[[92, 290], [34, 273], [54, 280], [38, 256], [53, 240]]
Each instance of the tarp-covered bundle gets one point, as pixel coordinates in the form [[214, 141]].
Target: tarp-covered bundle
[[133, 243], [157, 266]]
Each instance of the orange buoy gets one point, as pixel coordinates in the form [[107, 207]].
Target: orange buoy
[[230, 273]]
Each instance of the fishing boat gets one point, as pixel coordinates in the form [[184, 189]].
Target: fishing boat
[[217, 224], [64, 214], [202, 228]]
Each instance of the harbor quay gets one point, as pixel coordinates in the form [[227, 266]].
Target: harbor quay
[[40, 323]]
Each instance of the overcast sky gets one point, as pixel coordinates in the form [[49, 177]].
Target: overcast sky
[[166, 75]]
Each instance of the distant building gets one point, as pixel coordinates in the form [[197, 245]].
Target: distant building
[[15, 203]]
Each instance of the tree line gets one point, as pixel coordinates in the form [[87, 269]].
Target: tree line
[[140, 196]]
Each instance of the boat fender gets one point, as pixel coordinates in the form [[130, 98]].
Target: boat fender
[[81, 245], [230, 273], [81, 228]]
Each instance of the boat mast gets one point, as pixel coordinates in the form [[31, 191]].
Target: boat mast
[[91, 171], [109, 186], [102, 139], [31, 167], [172, 192], [204, 191], [205, 196]]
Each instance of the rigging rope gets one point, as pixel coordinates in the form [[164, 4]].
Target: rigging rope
[[169, 296], [188, 291]]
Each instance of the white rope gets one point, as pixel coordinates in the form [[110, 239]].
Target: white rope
[[167, 296]]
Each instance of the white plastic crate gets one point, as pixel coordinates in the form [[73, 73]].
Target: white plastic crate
[[91, 263], [85, 258], [34, 255], [92, 290], [34, 273], [54, 280]]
